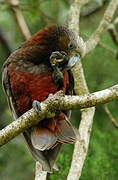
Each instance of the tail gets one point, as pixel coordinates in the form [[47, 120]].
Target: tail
[[45, 139], [50, 132], [46, 158]]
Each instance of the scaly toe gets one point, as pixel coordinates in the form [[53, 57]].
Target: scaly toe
[[56, 54], [36, 106]]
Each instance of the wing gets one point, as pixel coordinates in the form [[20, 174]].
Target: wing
[[7, 90], [46, 158], [38, 156]]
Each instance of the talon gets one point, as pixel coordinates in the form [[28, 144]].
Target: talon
[[56, 54], [36, 106], [56, 57]]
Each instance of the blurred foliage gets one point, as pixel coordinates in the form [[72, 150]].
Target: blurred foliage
[[100, 68]]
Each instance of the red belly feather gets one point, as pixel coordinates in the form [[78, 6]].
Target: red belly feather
[[28, 87]]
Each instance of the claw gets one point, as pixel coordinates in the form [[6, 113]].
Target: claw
[[56, 60], [56, 57], [36, 106], [56, 54]]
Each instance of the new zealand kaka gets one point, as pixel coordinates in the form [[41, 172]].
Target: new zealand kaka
[[37, 68]]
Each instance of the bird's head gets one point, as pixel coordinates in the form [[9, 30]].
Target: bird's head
[[71, 46], [59, 39]]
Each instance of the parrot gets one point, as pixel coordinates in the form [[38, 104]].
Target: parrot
[[39, 67]]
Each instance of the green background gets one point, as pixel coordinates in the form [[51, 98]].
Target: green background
[[101, 71]]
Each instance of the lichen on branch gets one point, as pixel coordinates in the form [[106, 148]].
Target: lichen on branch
[[54, 103]]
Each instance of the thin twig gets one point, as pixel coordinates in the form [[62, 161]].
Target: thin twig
[[5, 43], [105, 46], [114, 51], [85, 2], [113, 32], [44, 15], [96, 36], [92, 7], [110, 116], [14, 6], [116, 21]]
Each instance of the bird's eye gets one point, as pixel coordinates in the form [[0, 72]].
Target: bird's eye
[[70, 45]]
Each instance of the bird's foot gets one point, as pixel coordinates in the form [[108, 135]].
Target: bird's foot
[[56, 61], [36, 106], [57, 57]]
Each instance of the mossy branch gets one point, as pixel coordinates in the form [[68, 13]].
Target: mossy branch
[[52, 104]]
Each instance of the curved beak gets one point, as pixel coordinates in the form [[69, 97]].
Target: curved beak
[[73, 60]]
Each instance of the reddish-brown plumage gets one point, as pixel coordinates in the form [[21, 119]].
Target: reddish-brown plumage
[[28, 75], [27, 87]]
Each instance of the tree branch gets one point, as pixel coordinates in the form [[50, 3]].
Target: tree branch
[[110, 116], [14, 6], [105, 46], [92, 7], [39, 174], [85, 2], [113, 32], [112, 50], [96, 36], [54, 103], [80, 87], [75, 7], [5, 43]]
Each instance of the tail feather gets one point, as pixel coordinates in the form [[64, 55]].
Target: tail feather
[[65, 132], [38, 155], [55, 130], [46, 158], [43, 139]]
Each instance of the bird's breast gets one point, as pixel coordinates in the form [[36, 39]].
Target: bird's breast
[[27, 86]]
